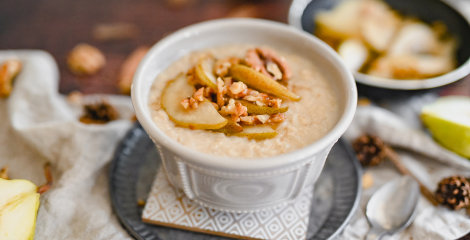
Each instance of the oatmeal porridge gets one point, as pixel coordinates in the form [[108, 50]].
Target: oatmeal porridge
[[243, 101]]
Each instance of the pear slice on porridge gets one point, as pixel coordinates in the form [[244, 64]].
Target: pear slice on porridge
[[204, 71], [205, 116], [258, 132], [261, 82]]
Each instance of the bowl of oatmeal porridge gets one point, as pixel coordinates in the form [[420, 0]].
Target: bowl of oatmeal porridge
[[243, 111]]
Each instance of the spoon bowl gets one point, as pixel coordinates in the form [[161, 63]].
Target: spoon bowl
[[392, 207]]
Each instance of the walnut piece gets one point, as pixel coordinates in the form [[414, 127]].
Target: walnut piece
[[85, 59], [222, 66], [8, 71], [235, 110], [129, 67], [193, 101]]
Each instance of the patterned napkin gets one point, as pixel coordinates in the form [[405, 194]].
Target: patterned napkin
[[168, 206]]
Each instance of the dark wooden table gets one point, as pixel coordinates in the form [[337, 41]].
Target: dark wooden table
[[58, 25]]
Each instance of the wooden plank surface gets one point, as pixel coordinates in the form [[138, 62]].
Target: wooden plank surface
[[58, 25]]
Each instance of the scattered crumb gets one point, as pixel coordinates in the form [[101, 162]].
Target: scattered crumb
[[75, 97], [115, 31], [140, 203], [363, 102], [134, 118], [367, 180], [4, 173]]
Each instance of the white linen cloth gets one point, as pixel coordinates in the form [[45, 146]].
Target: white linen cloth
[[39, 125]]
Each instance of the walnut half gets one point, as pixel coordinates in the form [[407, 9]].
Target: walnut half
[[8, 71], [85, 59]]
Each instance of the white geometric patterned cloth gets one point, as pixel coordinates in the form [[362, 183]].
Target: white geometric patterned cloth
[[168, 206]]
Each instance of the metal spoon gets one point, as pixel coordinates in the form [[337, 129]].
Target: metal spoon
[[392, 207]]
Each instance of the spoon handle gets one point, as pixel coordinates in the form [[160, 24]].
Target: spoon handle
[[375, 234]]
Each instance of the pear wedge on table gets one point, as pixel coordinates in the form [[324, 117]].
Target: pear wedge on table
[[257, 132], [448, 120], [19, 203], [261, 82], [203, 117], [204, 71]]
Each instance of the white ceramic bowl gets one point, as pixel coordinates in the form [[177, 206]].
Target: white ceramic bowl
[[237, 184]]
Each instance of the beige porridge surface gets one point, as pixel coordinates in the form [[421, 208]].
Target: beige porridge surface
[[306, 121]]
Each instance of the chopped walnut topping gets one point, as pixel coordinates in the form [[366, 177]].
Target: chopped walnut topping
[[262, 118], [199, 94], [234, 109], [185, 103], [275, 102], [247, 120], [193, 103], [221, 91], [238, 90], [274, 70], [267, 62], [277, 118], [222, 66], [207, 92], [229, 109], [279, 61], [194, 100], [254, 61]]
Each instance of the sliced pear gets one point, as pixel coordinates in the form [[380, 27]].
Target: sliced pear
[[448, 119], [18, 218], [19, 203], [342, 21], [260, 110], [378, 24], [354, 53], [258, 132], [205, 72], [261, 82], [203, 117], [230, 128], [410, 66], [414, 38]]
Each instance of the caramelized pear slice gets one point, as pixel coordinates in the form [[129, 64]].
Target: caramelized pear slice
[[203, 117], [230, 128], [258, 132], [261, 82], [261, 110], [205, 72]]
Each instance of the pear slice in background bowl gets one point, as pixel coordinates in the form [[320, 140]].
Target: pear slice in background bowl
[[203, 117], [448, 120]]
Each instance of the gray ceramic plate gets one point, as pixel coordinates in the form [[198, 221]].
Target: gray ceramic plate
[[136, 161], [303, 12]]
